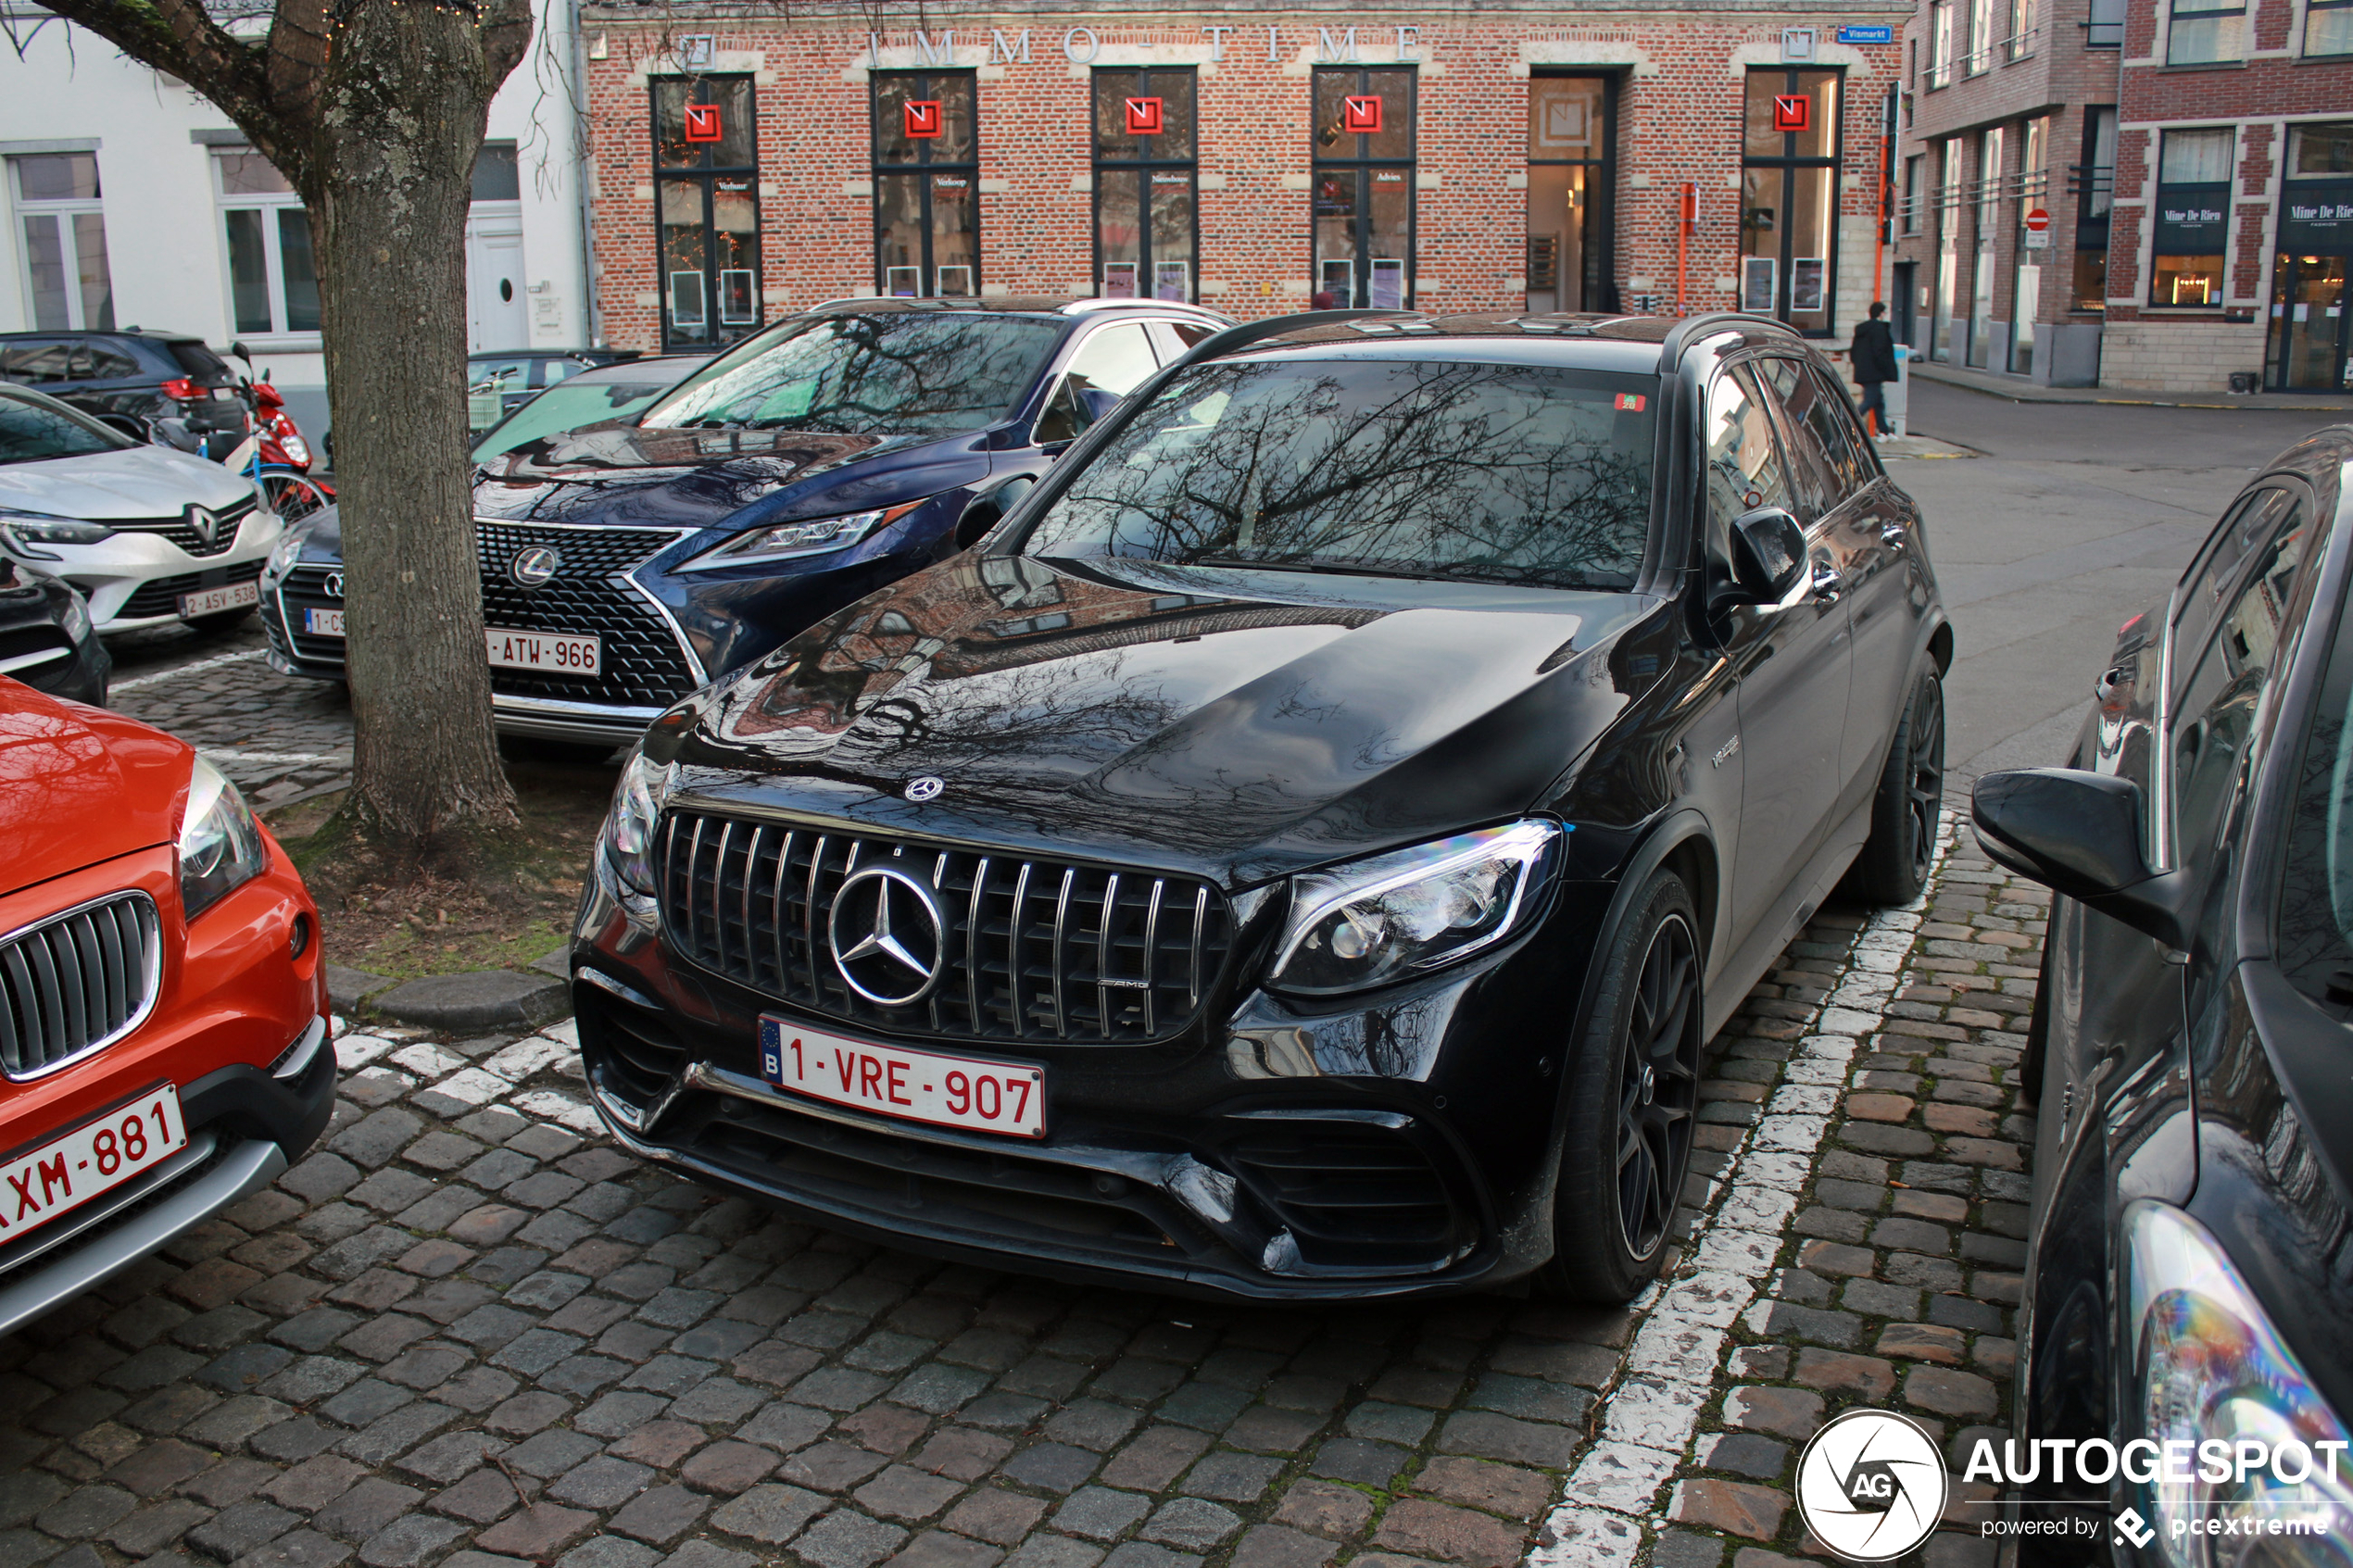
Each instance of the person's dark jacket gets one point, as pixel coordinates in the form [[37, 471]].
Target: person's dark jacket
[[1873, 353]]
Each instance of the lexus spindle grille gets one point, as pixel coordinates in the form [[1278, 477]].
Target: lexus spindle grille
[[1037, 950], [642, 666], [181, 531], [160, 596], [77, 981]]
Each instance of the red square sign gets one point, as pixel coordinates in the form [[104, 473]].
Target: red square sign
[[1361, 116], [1792, 112], [1143, 116], [702, 122], [924, 117]]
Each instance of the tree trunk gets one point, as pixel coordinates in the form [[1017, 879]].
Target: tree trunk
[[401, 120]]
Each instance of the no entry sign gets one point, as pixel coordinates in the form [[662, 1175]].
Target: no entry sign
[[2037, 219]]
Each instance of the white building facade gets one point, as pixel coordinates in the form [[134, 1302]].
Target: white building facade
[[131, 201]]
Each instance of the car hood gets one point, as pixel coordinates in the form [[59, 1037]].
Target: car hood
[[79, 785], [1238, 725], [627, 476], [139, 482]]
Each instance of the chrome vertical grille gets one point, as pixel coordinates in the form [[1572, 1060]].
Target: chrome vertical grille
[[77, 981], [1038, 950]]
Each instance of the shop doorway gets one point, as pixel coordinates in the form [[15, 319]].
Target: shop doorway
[[2309, 316], [1364, 179], [1572, 141]]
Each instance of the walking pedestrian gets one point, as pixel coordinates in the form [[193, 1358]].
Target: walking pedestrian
[[1873, 356]]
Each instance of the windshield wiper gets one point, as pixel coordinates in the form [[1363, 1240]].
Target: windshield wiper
[[1316, 568]]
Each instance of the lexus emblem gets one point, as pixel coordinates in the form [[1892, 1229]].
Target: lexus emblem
[[888, 935], [333, 586], [923, 789], [534, 566], [205, 522]]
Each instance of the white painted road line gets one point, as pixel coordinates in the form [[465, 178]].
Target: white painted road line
[[174, 673], [342, 758]]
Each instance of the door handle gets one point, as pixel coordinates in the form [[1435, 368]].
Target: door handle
[[1827, 584]]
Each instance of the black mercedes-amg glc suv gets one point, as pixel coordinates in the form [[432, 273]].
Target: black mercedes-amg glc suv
[[1301, 850]]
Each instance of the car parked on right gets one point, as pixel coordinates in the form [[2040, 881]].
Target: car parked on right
[[2189, 1246]]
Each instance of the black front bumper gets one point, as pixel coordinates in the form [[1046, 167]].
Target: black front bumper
[[1401, 1148]]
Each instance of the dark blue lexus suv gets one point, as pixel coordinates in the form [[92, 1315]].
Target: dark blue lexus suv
[[626, 563]]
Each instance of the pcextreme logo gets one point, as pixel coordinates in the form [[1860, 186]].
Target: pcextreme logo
[[1871, 1486]]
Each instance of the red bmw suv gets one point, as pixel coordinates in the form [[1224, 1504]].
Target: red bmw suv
[[163, 1030]]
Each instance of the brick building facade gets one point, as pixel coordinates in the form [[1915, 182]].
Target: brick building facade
[[750, 161], [2194, 162]]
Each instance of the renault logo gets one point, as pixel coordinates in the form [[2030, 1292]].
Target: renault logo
[[205, 522], [333, 586], [888, 935], [534, 566]]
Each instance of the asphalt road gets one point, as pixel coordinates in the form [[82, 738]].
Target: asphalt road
[[2071, 519]]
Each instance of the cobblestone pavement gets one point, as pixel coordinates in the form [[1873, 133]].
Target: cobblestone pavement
[[279, 736], [470, 1331]]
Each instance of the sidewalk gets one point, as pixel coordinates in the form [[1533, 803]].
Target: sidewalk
[[2019, 391]]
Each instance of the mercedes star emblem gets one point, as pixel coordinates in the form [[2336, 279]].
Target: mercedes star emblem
[[925, 789], [205, 522], [888, 935], [534, 566], [333, 586]]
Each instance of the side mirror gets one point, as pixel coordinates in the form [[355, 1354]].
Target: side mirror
[[1095, 402], [2079, 833], [239, 351], [1769, 554]]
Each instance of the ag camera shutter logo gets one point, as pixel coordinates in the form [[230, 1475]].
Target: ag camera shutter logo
[[1871, 1486]]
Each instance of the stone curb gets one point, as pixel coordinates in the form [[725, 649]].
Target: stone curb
[[482, 998]]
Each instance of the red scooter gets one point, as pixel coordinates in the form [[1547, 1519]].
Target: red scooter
[[282, 459]]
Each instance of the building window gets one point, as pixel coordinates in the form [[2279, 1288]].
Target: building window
[[497, 174], [1988, 225], [2206, 32], [1939, 44], [2026, 28], [2328, 27], [1789, 196], [1948, 248], [1981, 39], [2308, 347], [2190, 216], [707, 194], [2094, 186], [1912, 192], [1363, 186], [1146, 205], [66, 283], [274, 276], [927, 184], [2026, 296], [1571, 131]]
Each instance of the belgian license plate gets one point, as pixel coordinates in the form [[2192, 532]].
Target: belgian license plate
[[930, 1086], [555, 652], [50, 1179], [322, 622], [212, 601]]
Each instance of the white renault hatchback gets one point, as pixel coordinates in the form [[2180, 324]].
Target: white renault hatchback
[[151, 536]]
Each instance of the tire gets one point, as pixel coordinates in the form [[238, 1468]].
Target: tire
[[292, 496], [1633, 1104], [227, 620], [1894, 865]]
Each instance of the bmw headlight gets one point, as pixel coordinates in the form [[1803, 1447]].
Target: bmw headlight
[[220, 844], [788, 540], [2240, 1460], [22, 533], [1401, 914], [629, 827]]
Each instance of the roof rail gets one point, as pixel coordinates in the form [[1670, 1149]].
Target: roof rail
[[1248, 332], [1693, 328]]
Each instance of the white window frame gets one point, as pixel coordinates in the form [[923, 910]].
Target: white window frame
[[278, 334], [65, 210]]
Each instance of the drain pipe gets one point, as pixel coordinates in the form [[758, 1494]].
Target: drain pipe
[[1687, 221], [591, 303]]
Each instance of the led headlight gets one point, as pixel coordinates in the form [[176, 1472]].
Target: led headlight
[[1394, 916], [220, 844], [629, 827], [22, 533], [285, 552], [2248, 1456], [788, 540]]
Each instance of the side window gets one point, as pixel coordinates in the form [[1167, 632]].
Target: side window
[[1820, 471], [1833, 421], [36, 360], [2198, 603], [1117, 359], [2218, 704], [1743, 468], [110, 363]]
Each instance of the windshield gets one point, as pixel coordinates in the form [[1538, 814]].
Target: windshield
[[904, 373], [1415, 468], [30, 432], [561, 408]]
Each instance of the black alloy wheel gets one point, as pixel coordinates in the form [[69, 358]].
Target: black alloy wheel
[[1908, 805], [1632, 1101], [1658, 1087], [1924, 796]]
